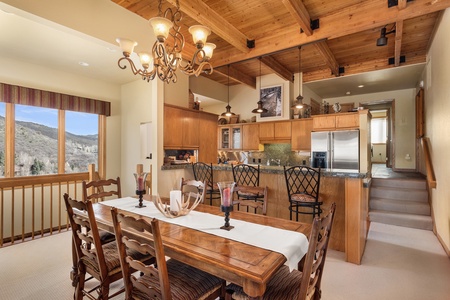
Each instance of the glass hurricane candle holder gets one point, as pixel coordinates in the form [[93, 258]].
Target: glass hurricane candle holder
[[226, 201], [140, 186]]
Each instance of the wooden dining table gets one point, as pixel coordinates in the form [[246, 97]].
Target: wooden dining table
[[248, 266]]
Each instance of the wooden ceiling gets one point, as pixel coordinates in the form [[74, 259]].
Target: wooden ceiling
[[343, 44]]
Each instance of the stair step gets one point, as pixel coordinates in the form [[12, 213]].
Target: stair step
[[401, 219], [408, 194], [402, 206], [403, 183]]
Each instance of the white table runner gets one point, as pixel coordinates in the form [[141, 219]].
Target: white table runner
[[293, 245]]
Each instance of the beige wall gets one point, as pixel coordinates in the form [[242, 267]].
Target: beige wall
[[437, 124], [405, 141]]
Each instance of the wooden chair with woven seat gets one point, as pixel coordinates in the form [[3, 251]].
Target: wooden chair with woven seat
[[171, 279], [298, 285], [204, 172], [246, 175], [260, 204], [192, 189], [99, 260], [303, 185]]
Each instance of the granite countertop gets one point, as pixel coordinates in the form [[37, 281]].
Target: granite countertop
[[277, 170]]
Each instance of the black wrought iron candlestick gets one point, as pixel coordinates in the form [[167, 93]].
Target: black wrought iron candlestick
[[227, 210], [140, 186], [140, 194], [226, 201]]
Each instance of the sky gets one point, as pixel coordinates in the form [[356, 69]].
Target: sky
[[76, 122]]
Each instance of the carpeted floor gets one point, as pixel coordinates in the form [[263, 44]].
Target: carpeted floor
[[399, 263]]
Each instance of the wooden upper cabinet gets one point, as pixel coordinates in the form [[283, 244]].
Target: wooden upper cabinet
[[301, 134], [336, 121], [190, 129], [347, 121], [250, 136], [275, 131], [207, 151], [230, 137], [173, 126]]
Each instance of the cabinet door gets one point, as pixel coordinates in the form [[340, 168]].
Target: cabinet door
[[224, 138], [190, 129], [173, 127], [207, 132], [250, 137], [324, 122], [236, 137], [282, 130], [266, 131], [347, 121], [301, 134]]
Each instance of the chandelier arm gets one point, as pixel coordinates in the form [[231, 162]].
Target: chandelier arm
[[145, 74]]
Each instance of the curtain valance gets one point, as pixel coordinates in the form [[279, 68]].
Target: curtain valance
[[29, 96]]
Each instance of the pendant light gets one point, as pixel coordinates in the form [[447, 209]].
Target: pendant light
[[298, 103], [228, 112], [260, 109]]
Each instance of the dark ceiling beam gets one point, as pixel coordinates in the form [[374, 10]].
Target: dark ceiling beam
[[300, 14], [369, 14], [202, 13], [237, 76], [277, 68], [398, 42], [330, 60]]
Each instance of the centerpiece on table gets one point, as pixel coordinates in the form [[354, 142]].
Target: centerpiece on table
[[226, 201]]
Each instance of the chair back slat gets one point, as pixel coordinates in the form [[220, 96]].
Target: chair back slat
[[98, 190], [192, 189]]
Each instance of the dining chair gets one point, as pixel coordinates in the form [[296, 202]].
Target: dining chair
[[246, 175], [298, 285], [171, 279], [303, 185], [204, 172], [192, 189], [99, 260], [259, 204]]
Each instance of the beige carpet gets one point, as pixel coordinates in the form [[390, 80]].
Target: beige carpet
[[399, 263]]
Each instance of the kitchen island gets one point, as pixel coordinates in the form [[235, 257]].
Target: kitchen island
[[348, 189]]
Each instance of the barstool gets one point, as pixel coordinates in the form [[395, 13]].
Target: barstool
[[204, 173], [303, 184], [246, 175]]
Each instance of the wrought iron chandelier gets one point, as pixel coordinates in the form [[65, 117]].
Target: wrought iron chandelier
[[298, 103], [259, 109], [165, 59], [228, 112]]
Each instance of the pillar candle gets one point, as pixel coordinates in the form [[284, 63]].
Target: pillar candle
[[226, 197], [175, 200]]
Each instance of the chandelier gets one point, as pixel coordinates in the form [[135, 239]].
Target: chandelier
[[298, 103], [259, 109], [165, 58], [228, 112]]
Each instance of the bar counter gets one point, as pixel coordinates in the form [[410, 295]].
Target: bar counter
[[348, 189]]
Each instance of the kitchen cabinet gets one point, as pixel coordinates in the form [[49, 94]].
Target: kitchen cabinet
[[275, 131], [301, 134], [336, 121], [173, 127], [207, 151], [250, 136], [230, 137]]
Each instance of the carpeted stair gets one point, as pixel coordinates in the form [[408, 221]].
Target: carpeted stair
[[401, 202]]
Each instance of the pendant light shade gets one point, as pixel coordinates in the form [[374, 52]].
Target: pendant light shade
[[228, 112], [260, 109], [298, 103]]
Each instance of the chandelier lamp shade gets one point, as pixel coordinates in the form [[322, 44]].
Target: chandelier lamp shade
[[298, 103], [383, 40], [228, 112], [165, 57], [259, 109]]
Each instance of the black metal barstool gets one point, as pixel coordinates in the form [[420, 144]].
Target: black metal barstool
[[204, 173], [246, 175], [303, 184]]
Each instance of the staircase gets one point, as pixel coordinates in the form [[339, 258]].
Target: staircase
[[401, 202]]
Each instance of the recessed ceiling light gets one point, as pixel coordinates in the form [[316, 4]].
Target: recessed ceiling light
[[348, 93], [361, 85], [84, 64]]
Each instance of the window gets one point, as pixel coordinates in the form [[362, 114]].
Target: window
[[81, 141], [378, 130], [2, 139]]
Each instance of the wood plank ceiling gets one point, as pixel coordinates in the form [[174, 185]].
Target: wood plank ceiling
[[343, 44]]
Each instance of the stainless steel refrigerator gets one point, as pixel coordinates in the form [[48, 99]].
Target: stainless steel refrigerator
[[338, 150]]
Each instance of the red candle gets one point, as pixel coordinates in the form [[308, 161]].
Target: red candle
[[226, 196], [140, 184]]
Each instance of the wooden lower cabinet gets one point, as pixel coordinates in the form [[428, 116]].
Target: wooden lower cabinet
[[301, 134]]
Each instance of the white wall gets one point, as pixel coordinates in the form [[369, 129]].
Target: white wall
[[437, 123], [405, 120]]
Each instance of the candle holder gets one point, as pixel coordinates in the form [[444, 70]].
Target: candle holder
[[226, 201], [140, 186]]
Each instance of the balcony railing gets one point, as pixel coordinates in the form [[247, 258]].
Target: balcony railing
[[33, 206]]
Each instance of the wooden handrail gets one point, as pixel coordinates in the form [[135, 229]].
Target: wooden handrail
[[431, 179]]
